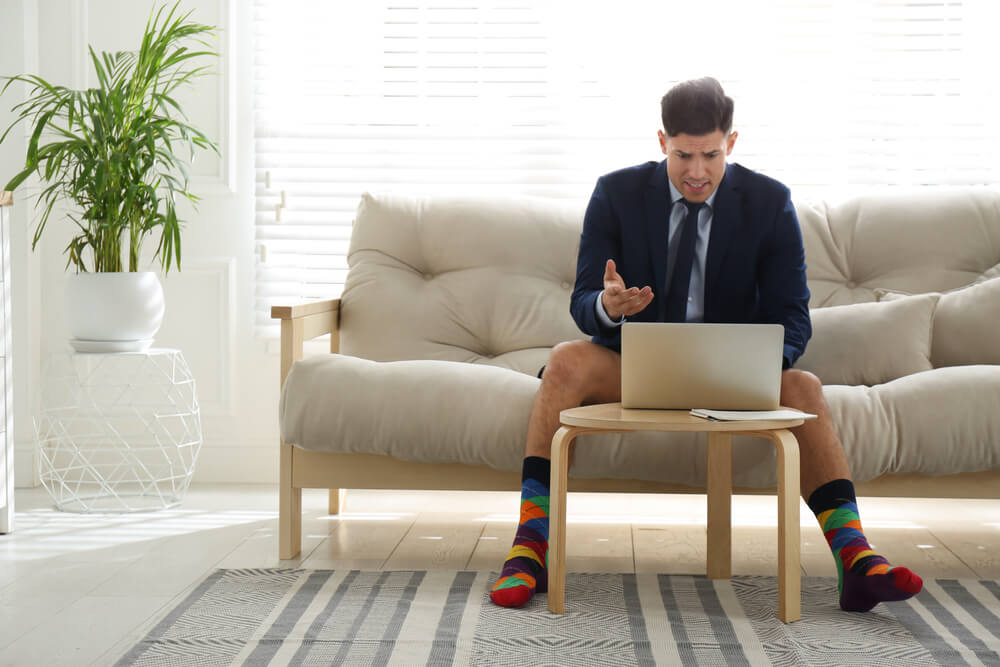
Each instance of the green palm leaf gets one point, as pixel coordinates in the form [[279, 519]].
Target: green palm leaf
[[113, 152]]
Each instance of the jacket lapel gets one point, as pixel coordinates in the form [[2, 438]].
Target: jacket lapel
[[726, 219], [657, 200]]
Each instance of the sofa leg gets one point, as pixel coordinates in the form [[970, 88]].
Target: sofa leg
[[290, 524], [289, 509], [337, 498]]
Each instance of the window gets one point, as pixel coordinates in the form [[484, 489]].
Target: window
[[832, 97]]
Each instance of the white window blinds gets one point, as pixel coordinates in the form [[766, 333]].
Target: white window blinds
[[541, 98]]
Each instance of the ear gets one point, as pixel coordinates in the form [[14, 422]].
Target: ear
[[731, 141], [663, 141]]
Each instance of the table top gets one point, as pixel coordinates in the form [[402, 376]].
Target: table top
[[613, 416]]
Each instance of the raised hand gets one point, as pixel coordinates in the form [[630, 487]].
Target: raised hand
[[619, 300]]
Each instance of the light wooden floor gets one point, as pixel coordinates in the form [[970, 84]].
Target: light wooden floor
[[81, 589]]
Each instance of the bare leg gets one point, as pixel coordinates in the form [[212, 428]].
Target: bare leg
[[578, 373], [823, 458], [865, 577]]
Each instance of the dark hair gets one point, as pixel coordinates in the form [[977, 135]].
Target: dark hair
[[698, 107]]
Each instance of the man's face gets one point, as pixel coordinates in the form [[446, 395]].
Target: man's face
[[696, 163]]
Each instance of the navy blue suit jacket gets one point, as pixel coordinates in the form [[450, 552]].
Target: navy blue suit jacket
[[755, 269]]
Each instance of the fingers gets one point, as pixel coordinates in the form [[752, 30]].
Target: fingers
[[618, 302], [636, 300], [610, 271], [613, 282]]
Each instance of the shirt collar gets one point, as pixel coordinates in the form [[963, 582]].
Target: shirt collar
[[676, 196]]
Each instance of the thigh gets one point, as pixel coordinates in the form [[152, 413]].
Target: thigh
[[605, 377], [589, 372]]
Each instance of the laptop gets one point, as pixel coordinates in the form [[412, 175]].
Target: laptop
[[680, 366]]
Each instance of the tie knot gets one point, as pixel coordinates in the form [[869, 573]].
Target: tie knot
[[693, 208]]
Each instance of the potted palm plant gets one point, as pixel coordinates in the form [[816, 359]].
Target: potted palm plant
[[113, 160]]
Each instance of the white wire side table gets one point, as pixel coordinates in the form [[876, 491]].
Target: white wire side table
[[118, 432]]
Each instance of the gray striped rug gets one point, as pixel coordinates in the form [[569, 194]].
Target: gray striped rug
[[323, 617]]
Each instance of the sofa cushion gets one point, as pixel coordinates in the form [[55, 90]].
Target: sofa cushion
[[870, 343], [939, 421], [482, 280], [488, 279], [923, 240], [426, 411], [965, 324], [441, 411]]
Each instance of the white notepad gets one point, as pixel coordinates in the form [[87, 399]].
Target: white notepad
[[750, 415]]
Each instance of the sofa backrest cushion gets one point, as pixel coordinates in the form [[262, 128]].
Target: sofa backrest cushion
[[918, 241], [488, 280], [461, 279]]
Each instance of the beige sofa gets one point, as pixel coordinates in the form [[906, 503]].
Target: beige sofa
[[452, 305]]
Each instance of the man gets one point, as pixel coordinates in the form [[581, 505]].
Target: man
[[726, 244]]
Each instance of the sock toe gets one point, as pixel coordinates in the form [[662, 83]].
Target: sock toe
[[515, 596], [906, 580], [861, 592]]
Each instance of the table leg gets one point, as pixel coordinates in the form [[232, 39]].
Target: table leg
[[561, 442], [720, 505], [789, 540]]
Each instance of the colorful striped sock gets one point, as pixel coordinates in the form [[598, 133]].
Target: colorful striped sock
[[524, 571], [865, 577]]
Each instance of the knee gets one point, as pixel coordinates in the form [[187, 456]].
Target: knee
[[801, 389], [565, 365]]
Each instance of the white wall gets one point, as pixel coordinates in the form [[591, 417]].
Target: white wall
[[210, 302], [19, 53]]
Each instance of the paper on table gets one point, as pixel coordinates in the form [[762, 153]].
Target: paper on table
[[750, 415]]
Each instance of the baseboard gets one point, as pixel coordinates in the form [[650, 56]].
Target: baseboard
[[235, 463]]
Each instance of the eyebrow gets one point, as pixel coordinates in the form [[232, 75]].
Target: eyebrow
[[711, 153]]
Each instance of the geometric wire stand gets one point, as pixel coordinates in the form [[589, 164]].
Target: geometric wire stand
[[118, 432]]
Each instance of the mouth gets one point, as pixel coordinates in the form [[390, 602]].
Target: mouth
[[697, 187]]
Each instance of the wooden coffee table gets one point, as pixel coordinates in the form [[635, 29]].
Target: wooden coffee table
[[612, 418]]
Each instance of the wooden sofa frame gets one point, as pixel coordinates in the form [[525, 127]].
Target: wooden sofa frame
[[305, 469]]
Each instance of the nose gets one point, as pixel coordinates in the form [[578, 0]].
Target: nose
[[697, 168]]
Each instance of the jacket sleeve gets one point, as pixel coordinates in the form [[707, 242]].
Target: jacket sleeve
[[599, 242], [783, 292]]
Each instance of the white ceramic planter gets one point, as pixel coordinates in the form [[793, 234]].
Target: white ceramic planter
[[113, 312]]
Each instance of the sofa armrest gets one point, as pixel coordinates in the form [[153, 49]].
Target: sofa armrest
[[303, 322]]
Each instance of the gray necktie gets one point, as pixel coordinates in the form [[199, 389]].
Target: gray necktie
[[680, 279]]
